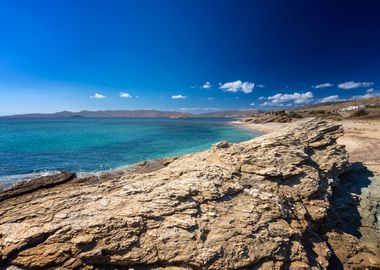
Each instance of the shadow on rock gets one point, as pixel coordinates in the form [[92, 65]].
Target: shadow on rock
[[345, 221], [346, 200]]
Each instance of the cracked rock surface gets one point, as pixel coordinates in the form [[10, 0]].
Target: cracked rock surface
[[253, 205]]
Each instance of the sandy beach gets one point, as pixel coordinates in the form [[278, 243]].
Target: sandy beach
[[361, 138]]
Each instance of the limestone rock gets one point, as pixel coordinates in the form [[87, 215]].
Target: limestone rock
[[252, 205]]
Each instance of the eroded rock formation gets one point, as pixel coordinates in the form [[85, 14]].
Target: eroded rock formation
[[253, 205]]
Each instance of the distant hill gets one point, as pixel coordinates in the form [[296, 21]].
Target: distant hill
[[339, 104], [132, 113], [105, 114]]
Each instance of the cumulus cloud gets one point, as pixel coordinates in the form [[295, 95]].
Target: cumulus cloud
[[261, 98], [206, 85], [370, 90], [297, 98], [323, 85], [252, 104], [352, 85], [98, 96], [260, 85], [330, 99], [178, 97], [236, 86], [125, 95], [247, 87]]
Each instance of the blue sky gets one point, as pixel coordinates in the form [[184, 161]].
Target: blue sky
[[195, 56]]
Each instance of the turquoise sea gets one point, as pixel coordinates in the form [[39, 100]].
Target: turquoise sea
[[34, 146]]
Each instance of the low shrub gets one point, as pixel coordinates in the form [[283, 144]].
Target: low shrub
[[358, 113]]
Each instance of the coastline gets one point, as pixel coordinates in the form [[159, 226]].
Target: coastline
[[207, 193], [12, 181], [192, 212], [132, 143], [360, 138], [264, 128]]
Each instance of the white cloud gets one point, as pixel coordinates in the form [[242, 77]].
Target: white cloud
[[210, 98], [352, 84], [261, 98], [245, 87], [260, 85], [365, 96], [297, 98], [98, 96], [252, 104], [206, 85], [323, 85], [125, 95], [178, 97], [266, 103], [330, 99], [370, 90]]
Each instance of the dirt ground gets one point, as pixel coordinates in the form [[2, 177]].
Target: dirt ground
[[362, 141]]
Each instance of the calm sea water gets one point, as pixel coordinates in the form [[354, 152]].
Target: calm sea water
[[29, 146]]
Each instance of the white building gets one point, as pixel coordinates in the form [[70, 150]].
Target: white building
[[352, 108]]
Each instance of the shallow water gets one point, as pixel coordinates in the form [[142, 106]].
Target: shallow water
[[97, 144]]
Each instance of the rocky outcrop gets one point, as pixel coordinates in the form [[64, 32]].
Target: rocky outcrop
[[275, 116], [259, 204], [38, 183]]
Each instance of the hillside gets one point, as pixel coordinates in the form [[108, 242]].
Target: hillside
[[340, 110], [105, 113]]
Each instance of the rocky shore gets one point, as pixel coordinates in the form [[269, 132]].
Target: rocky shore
[[280, 201]]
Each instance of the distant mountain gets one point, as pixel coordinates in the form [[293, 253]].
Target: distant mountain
[[105, 114], [133, 113]]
